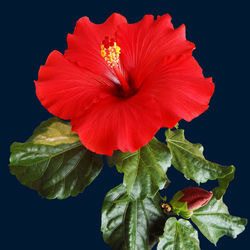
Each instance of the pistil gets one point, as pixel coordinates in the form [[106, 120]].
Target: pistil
[[110, 51], [124, 84]]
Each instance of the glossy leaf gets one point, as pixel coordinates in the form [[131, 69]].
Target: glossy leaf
[[144, 170], [179, 235], [134, 225], [54, 162], [214, 221], [188, 158]]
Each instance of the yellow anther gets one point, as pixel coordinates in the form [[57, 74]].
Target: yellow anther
[[103, 53], [110, 52]]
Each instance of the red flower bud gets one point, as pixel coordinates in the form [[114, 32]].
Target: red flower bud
[[195, 197], [185, 201]]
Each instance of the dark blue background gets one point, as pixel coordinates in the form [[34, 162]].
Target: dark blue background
[[31, 30]]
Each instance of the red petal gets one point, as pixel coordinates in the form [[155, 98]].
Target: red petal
[[84, 46], [66, 90], [180, 89], [115, 123], [145, 43]]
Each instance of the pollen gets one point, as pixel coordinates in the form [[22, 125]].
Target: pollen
[[110, 51]]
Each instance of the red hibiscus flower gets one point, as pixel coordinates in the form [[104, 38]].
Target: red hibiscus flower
[[119, 83]]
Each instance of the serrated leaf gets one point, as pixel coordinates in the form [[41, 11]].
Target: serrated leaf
[[223, 184], [134, 225], [53, 132], [188, 158], [179, 235], [144, 170], [214, 221], [54, 162]]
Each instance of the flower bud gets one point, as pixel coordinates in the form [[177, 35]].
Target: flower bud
[[187, 200]]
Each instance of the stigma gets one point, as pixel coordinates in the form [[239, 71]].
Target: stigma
[[110, 51]]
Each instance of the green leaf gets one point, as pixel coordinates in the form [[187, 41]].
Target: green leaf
[[214, 221], [144, 170], [131, 224], [223, 184], [54, 162], [179, 235], [188, 158]]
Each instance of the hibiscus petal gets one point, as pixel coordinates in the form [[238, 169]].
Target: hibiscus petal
[[84, 46], [145, 43], [180, 89], [116, 123], [66, 90]]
